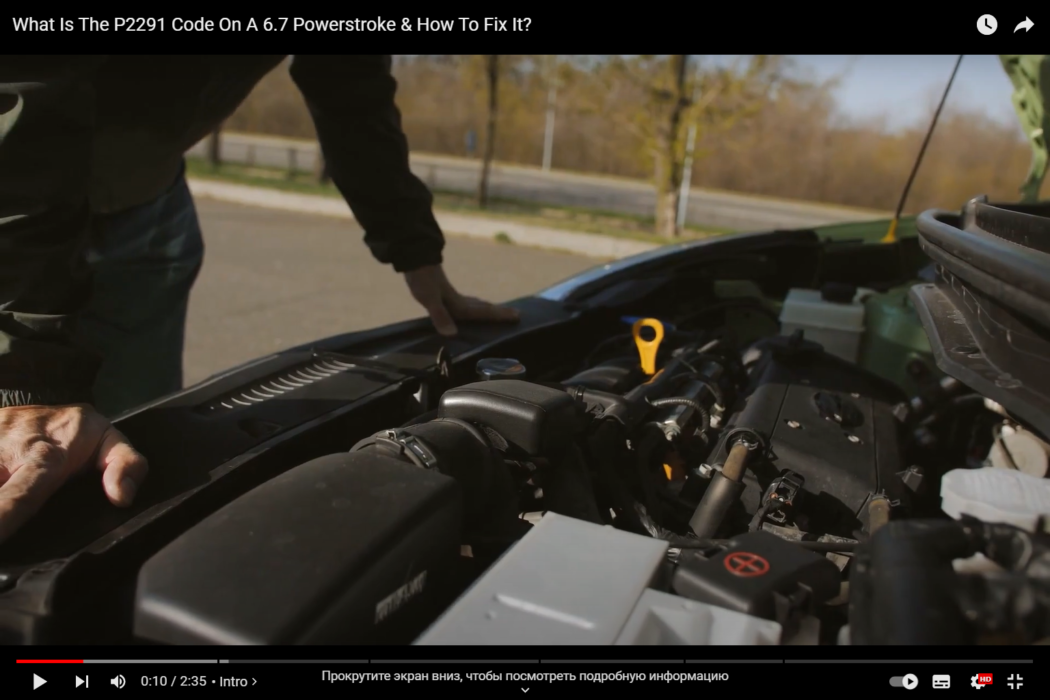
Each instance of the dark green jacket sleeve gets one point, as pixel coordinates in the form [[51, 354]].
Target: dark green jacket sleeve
[[351, 99], [46, 114]]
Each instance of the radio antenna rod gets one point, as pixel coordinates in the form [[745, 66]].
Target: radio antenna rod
[[891, 235]]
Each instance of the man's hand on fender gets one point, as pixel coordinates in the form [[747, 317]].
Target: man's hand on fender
[[431, 288], [42, 446]]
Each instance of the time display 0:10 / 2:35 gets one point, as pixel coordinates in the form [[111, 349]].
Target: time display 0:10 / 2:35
[[175, 681]]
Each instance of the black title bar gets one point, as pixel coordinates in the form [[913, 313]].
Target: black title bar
[[761, 28]]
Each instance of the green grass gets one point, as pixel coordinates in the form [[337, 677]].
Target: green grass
[[531, 213]]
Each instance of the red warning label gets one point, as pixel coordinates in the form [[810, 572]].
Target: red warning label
[[746, 564]]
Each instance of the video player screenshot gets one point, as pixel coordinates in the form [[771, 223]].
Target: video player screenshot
[[328, 372]]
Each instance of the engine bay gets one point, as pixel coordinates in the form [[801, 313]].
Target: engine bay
[[761, 468], [753, 440]]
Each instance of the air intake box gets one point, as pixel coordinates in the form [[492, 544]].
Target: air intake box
[[536, 418], [346, 549]]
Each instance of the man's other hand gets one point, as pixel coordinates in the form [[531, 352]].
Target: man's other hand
[[431, 288], [42, 446]]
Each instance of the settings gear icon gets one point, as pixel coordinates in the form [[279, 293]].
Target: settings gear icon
[[974, 682]]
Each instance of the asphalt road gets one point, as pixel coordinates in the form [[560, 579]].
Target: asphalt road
[[273, 280], [716, 209]]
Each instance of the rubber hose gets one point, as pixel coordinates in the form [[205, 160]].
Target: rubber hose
[[878, 513], [469, 427], [736, 462]]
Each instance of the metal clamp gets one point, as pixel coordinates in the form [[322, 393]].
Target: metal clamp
[[748, 437], [402, 445]]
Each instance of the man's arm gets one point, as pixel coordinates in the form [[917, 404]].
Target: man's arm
[[351, 99], [46, 115]]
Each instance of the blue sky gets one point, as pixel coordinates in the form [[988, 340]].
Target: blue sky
[[905, 88]]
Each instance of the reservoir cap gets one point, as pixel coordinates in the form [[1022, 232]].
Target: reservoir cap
[[500, 368]]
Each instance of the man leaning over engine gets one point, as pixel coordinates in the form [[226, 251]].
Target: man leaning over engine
[[100, 243]]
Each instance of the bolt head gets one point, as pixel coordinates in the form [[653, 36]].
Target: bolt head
[[854, 439], [794, 424]]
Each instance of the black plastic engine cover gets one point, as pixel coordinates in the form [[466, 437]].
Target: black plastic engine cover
[[536, 418], [829, 421], [345, 549]]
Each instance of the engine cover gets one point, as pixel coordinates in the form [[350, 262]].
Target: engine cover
[[354, 548], [830, 422]]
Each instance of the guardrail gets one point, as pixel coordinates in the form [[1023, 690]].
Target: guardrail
[[460, 175]]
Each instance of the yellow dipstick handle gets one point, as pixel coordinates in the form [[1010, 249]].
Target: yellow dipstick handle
[[891, 235], [647, 348]]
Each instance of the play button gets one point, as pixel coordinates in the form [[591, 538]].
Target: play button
[[37, 681]]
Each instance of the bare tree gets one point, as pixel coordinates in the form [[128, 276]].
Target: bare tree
[[492, 75], [668, 165], [659, 90]]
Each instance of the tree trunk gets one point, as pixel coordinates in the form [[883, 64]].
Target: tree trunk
[[215, 147], [667, 194], [669, 156], [321, 170], [492, 72]]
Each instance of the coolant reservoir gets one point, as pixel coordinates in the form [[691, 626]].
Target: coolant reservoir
[[996, 495], [1021, 450], [828, 318]]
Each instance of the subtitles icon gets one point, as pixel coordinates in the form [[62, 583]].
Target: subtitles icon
[[942, 682], [981, 680]]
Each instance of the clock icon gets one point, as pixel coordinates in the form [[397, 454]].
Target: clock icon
[[987, 25]]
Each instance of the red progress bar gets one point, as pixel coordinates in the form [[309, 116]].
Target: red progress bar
[[47, 661]]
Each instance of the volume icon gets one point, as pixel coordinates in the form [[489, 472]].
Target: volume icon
[[118, 681]]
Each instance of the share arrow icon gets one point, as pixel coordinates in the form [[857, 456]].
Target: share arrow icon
[[1026, 25]]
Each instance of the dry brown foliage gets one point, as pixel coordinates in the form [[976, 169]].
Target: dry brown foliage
[[796, 146]]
